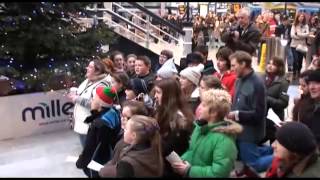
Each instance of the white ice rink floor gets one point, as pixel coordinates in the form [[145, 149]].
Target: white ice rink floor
[[40, 156]]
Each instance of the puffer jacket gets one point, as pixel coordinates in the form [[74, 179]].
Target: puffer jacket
[[210, 153], [277, 97]]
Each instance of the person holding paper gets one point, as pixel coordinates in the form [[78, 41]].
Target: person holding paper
[[129, 108], [249, 110], [175, 119], [210, 153], [277, 97], [105, 125]]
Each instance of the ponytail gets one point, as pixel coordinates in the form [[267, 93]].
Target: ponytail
[[148, 131]]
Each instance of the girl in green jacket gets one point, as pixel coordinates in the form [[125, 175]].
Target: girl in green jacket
[[211, 153]]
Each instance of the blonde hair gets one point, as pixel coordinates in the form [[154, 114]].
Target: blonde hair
[[218, 101], [147, 130]]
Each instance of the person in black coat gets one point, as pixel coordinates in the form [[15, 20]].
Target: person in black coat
[[312, 114], [105, 125], [277, 98], [283, 31], [245, 36]]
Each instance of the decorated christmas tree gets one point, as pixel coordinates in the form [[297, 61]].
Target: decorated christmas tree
[[42, 39]]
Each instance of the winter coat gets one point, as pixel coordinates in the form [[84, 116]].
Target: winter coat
[[208, 68], [109, 169], [81, 111], [299, 35], [102, 134], [307, 167], [149, 79], [284, 31], [228, 80], [250, 101], [277, 97], [137, 160], [176, 140], [210, 154], [311, 118], [248, 41], [310, 172]]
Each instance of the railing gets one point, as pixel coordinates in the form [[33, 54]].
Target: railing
[[142, 31], [159, 19], [149, 25]]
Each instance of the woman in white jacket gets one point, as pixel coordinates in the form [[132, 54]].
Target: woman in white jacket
[[96, 76], [299, 33]]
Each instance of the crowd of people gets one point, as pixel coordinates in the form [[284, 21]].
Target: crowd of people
[[302, 34], [192, 120]]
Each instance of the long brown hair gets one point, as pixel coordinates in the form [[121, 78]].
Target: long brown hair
[[296, 20], [148, 131], [172, 101]]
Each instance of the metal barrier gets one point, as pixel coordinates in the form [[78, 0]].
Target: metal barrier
[[275, 48]]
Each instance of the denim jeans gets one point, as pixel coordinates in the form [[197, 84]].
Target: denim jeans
[[289, 57], [297, 60], [258, 157]]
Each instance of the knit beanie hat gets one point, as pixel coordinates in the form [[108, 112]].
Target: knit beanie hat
[[138, 86], [168, 69], [297, 138], [314, 75], [193, 74], [106, 94]]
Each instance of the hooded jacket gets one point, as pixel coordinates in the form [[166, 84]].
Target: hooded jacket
[[132, 161], [210, 153]]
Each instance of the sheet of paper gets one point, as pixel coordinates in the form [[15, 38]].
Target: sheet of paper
[[274, 117], [173, 157], [94, 165], [72, 159]]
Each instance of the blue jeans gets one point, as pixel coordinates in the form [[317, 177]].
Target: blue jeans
[[258, 157], [289, 57], [297, 60]]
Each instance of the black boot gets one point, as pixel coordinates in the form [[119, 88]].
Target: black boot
[[82, 162]]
